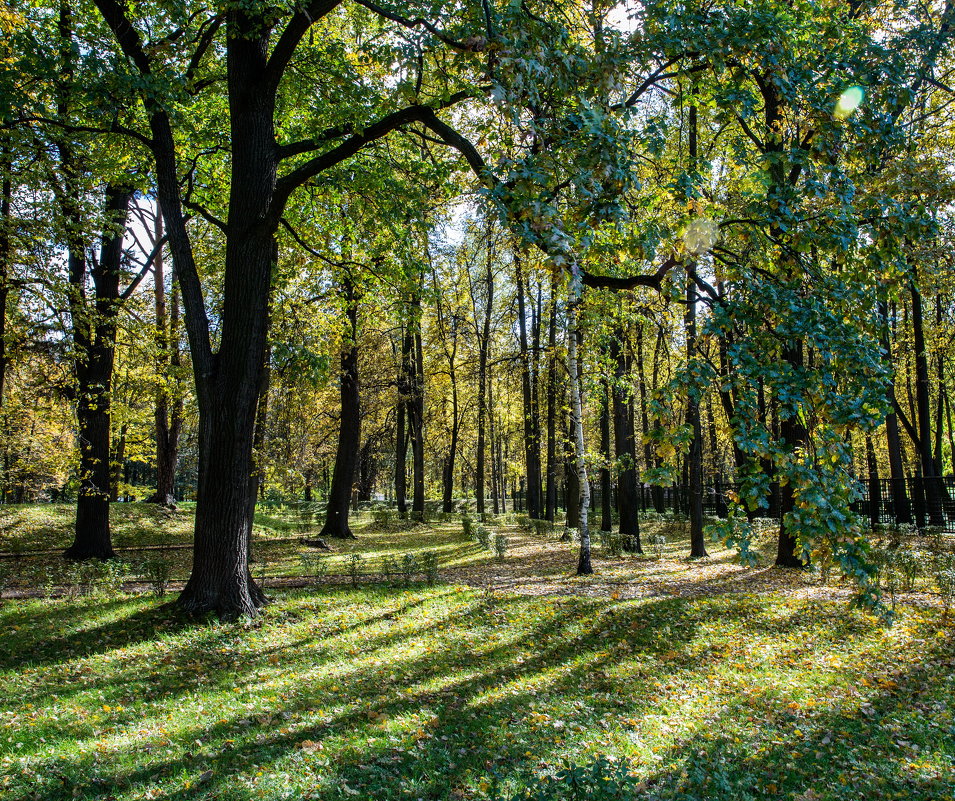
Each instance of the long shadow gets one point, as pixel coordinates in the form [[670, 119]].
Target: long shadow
[[484, 696]]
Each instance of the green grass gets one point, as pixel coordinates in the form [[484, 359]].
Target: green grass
[[380, 693]]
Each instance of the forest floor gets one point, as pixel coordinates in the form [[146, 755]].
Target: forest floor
[[692, 679]]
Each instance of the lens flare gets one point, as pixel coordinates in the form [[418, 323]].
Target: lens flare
[[700, 236], [848, 102]]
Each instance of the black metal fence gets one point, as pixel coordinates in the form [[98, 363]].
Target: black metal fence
[[914, 501]]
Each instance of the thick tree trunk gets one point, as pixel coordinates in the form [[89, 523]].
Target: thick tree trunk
[[349, 434], [628, 501], [228, 383]]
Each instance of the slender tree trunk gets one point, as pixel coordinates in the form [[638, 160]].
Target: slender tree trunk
[[606, 509], [483, 412], [584, 567], [349, 433], [117, 462], [932, 481], [94, 338], [401, 436], [6, 250], [628, 501], [532, 454], [793, 435], [416, 421], [694, 458], [901, 508], [168, 416], [553, 466], [875, 487]]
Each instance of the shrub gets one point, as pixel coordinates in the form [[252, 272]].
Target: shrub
[[572, 534], [156, 571], [388, 568], [355, 563], [383, 515], [500, 546], [467, 525], [429, 565], [659, 545], [945, 581], [542, 528], [409, 566], [600, 780], [314, 565], [614, 543], [6, 577], [483, 536]]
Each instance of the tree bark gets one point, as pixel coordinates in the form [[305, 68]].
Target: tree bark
[[901, 508], [349, 434], [94, 340], [532, 455], [553, 465], [606, 509], [695, 456], [584, 567], [933, 483], [625, 446]]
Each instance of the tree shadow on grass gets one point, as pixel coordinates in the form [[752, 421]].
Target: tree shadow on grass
[[395, 721]]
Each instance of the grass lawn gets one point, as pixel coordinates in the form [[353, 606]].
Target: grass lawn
[[705, 681]]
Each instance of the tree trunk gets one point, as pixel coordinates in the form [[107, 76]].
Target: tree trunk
[[628, 502], [532, 455], [228, 382], [932, 481], [606, 510], [94, 338], [793, 435], [401, 435], [553, 466], [168, 416], [584, 567], [901, 508], [349, 433], [416, 420], [694, 458]]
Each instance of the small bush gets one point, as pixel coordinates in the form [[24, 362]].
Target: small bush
[[383, 515], [388, 568], [500, 546], [542, 528], [355, 564], [572, 534], [659, 545], [945, 581], [314, 565], [409, 567], [467, 526], [483, 536], [429, 565], [156, 572], [600, 780], [614, 545]]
